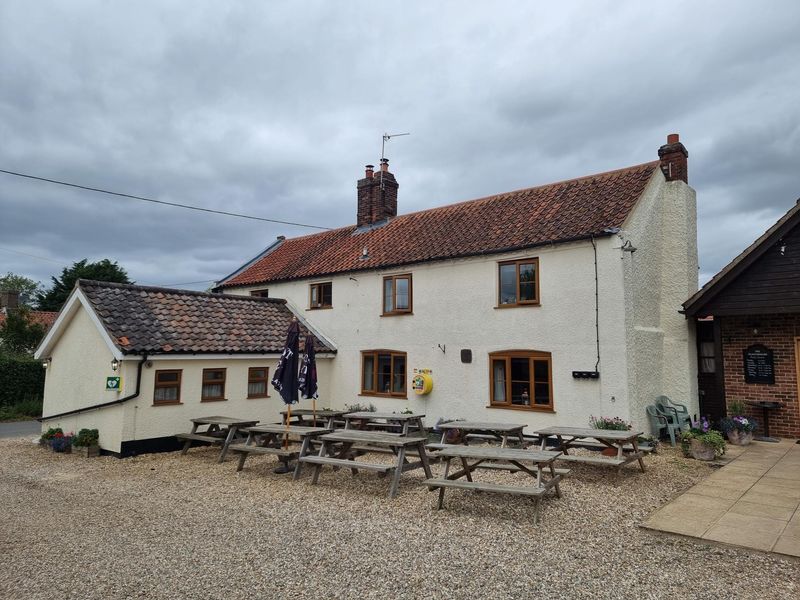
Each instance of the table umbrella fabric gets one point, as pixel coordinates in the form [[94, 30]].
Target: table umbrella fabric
[[285, 379], [308, 370]]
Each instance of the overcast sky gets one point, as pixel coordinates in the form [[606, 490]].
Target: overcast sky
[[273, 109]]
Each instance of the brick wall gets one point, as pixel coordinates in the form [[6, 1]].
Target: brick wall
[[778, 333]]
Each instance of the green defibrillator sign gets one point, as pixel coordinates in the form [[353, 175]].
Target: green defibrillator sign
[[113, 384]]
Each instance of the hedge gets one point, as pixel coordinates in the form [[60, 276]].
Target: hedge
[[20, 379]]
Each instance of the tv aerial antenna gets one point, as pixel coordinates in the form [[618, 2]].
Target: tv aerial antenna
[[386, 138]]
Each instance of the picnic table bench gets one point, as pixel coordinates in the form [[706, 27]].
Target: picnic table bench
[[268, 439], [515, 458], [483, 430], [337, 451], [214, 432], [312, 418], [568, 437], [364, 418]]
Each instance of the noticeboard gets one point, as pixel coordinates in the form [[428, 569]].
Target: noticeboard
[[759, 364]]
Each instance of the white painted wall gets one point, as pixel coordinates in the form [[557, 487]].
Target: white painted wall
[[454, 306], [659, 276], [76, 378]]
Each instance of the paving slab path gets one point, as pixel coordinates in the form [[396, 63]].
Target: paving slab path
[[753, 501]]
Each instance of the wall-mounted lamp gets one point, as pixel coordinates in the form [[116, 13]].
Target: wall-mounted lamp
[[114, 364], [46, 362]]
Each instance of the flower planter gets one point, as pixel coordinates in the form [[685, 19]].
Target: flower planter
[[609, 452], [740, 438], [87, 451], [701, 451]]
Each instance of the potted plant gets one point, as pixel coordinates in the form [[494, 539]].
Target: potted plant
[[44, 440], [739, 429], [701, 442], [87, 443], [614, 423], [62, 442]]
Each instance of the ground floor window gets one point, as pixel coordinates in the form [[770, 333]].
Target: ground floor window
[[521, 378], [213, 385], [383, 373], [257, 378], [167, 387]]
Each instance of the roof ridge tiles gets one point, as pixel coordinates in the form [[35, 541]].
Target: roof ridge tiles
[[174, 291]]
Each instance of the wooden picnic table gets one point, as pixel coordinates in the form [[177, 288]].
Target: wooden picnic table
[[537, 464], [500, 431], [214, 434], [337, 451], [404, 420], [305, 416], [568, 436], [268, 439]]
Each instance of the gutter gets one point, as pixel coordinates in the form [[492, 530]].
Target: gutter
[[104, 404]]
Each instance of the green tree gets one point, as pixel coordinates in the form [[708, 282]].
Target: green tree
[[28, 288], [19, 335], [102, 270]]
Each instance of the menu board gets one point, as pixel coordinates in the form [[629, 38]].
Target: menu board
[[759, 365]]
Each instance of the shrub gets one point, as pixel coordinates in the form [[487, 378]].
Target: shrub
[[50, 434], [21, 379], [86, 437]]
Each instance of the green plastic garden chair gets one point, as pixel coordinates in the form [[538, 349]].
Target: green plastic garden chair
[[677, 412], [659, 421]]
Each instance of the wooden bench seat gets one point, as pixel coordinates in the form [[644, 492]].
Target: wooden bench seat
[[485, 487], [199, 437], [349, 464], [594, 460], [262, 450]]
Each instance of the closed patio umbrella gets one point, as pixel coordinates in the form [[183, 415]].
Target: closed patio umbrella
[[285, 379], [308, 375]]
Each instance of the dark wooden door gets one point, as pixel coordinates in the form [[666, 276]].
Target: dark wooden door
[[710, 375]]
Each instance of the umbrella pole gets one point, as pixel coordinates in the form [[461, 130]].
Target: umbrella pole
[[314, 410], [288, 418]]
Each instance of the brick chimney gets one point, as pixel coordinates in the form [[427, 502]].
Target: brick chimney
[[377, 195], [674, 157], [9, 300]]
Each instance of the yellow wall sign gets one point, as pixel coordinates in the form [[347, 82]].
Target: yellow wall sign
[[422, 382]]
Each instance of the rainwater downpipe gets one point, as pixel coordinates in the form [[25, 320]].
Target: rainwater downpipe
[[104, 404], [596, 305]]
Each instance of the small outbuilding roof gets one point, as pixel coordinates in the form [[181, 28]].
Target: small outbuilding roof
[[558, 212], [168, 321]]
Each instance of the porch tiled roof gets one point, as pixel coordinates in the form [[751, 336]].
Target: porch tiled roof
[[558, 212], [162, 320]]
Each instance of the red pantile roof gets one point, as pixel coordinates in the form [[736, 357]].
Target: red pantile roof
[[558, 212], [41, 317], [162, 320]]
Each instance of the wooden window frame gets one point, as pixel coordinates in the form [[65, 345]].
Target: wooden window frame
[[263, 293], [203, 383], [171, 384], [251, 379], [522, 261], [375, 392], [395, 311], [320, 295], [531, 355]]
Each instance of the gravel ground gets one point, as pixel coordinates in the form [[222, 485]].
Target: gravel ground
[[165, 526]]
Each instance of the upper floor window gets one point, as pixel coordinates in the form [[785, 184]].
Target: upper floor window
[[320, 295], [167, 387], [260, 293], [519, 282], [383, 373], [397, 294], [521, 378], [213, 385], [257, 379]]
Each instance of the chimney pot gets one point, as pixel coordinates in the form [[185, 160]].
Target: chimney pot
[[384, 164], [370, 170], [9, 299], [673, 138]]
